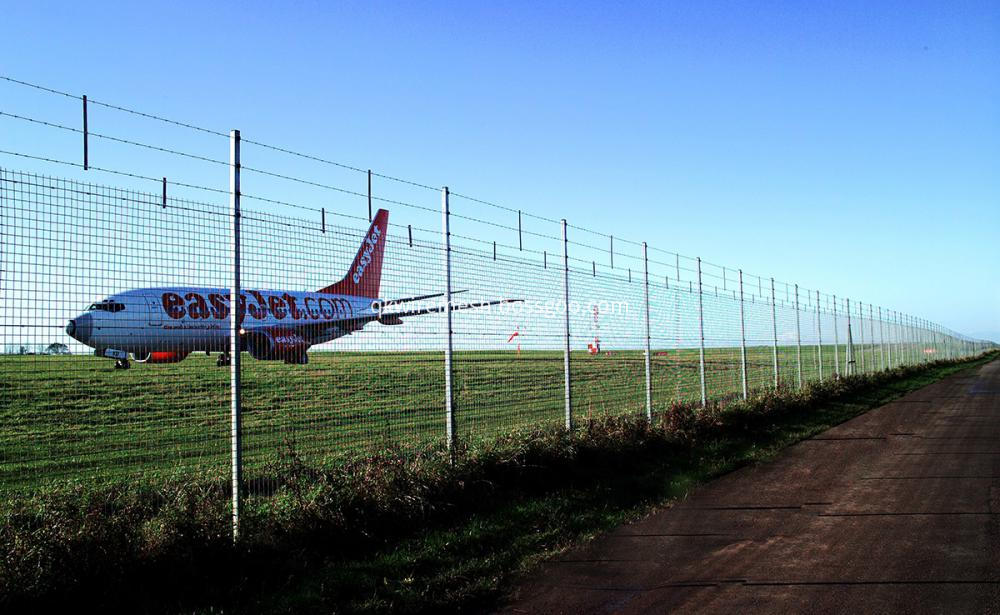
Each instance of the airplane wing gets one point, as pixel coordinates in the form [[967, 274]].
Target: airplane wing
[[312, 333], [395, 318], [378, 305]]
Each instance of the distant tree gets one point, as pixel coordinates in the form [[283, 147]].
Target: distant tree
[[57, 348], [23, 350]]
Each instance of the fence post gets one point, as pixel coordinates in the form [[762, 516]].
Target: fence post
[[896, 338], [921, 339], [850, 340], [925, 339], [743, 342], [701, 339], [798, 339], [918, 339], [881, 340], [900, 347], [86, 132], [836, 340], [861, 334], [888, 326], [774, 334], [569, 405], [649, 367], [449, 410], [910, 339], [369, 195], [903, 349], [235, 384], [907, 347], [819, 339], [871, 329], [520, 241], [905, 337]]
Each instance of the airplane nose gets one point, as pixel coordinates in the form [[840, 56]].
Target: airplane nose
[[80, 328]]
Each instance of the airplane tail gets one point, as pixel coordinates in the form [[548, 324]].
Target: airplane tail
[[362, 279]]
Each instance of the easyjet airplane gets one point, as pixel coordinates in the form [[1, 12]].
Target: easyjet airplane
[[164, 325]]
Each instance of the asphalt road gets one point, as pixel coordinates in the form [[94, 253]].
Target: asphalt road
[[895, 511]]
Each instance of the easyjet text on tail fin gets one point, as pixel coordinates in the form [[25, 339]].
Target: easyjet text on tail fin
[[362, 279]]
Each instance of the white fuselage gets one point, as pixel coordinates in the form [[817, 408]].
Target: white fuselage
[[189, 319]]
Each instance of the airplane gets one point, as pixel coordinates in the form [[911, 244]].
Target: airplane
[[165, 325]]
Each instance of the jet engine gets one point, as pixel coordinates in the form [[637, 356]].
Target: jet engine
[[274, 345], [159, 356]]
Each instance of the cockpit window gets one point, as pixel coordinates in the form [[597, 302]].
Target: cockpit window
[[107, 306]]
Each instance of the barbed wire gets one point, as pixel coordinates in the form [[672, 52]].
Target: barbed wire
[[521, 213], [78, 165]]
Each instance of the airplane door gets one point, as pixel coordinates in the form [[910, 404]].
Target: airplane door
[[155, 312]]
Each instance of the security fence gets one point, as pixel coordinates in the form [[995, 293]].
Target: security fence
[[433, 319]]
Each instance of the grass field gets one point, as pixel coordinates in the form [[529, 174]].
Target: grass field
[[75, 417]]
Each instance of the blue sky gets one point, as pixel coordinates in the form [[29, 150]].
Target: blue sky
[[851, 147]]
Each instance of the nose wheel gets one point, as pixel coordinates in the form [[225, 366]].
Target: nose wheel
[[223, 360], [122, 364]]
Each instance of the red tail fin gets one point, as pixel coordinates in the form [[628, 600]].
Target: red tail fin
[[362, 279]]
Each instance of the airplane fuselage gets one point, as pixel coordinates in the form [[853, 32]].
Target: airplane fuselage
[[189, 319]]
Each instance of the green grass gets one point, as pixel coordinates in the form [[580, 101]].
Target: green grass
[[76, 418], [396, 531]]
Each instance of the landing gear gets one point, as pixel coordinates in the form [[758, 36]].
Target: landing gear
[[223, 360], [299, 359], [122, 364]]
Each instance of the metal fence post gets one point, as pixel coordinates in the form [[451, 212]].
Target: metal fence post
[[904, 351], [888, 326], [701, 339], [871, 330], [819, 338], [861, 335], [908, 339], [649, 367], [907, 343], [235, 384], [798, 339], [743, 342], [774, 334], [881, 340], [911, 339], [86, 132], [836, 340], [566, 376], [921, 332], [850, 341], [925, 339], [895, 338], [449, 410]]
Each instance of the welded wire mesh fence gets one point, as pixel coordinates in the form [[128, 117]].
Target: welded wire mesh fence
[[95, 270], [344, 325]]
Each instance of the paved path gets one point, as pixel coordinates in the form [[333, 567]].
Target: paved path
[[895, 511]]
